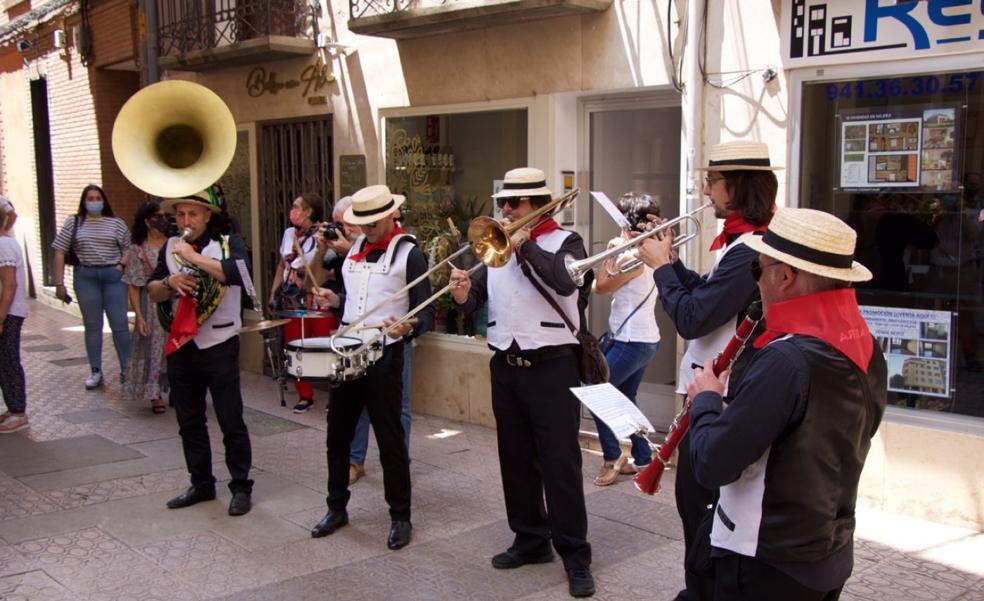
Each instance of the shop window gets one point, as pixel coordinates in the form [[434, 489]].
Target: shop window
[[447, 166], [901, 159]]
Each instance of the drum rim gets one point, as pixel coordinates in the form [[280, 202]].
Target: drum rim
[[303, 314], [322, 349]]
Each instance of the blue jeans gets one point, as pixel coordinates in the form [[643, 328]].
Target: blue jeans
[[627, 363], [360, 442], [100, 290]]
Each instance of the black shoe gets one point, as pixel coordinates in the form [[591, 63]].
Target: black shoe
[[332, 521], [399, 535], [510, 559], [580, 583], [190, 497], [240, 503]]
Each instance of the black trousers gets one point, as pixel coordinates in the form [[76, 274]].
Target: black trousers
[[537, 422], [380, 392], [741, 578], [191, 371], [692, 500]]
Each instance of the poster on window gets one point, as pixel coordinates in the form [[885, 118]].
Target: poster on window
[[880, 153], [910, 147], [917, 347]]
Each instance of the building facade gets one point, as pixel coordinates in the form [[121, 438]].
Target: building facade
[[871, 109]]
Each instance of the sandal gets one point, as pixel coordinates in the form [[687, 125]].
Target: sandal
[[157, 406]]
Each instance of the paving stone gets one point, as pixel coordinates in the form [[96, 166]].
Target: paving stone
[[19, 501], [33, 337], [32, 586], [20, 456], [261, 423], [69, 361], [89, 415], [43, 348], [12, 561]]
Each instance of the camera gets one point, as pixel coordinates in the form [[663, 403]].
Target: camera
[[332, 231]]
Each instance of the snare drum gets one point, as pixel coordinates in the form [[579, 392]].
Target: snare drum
[[313, 359]]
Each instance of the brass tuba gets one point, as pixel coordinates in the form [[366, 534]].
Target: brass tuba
[[173, 139]]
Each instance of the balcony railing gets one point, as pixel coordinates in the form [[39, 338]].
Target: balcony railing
[[190, 26], [415, 18]]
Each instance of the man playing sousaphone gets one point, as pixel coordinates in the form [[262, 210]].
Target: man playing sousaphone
[[378, 266], [534, 366], [198, 286]]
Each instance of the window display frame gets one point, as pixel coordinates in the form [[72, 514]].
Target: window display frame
[[798, 79]]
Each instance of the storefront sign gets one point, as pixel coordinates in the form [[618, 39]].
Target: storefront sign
[[827, 32], [352, 171], [917, 347], [315, 76]]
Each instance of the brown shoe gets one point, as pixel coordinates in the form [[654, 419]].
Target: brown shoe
[[356, 471], [607, 475]]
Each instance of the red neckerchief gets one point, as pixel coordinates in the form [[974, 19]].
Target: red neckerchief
[[381, 245], [734, 224], [832, 316], [184, 326], [544, 227]]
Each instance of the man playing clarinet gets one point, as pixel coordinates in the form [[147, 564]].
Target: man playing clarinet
[[787, 452]]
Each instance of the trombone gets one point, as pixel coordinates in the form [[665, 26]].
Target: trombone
[[490, 242], [577, 269]]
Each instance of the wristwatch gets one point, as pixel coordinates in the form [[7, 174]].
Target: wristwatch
[[166, 282]]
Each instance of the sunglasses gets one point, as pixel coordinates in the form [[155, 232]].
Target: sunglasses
[[758, 268], [512, 201]]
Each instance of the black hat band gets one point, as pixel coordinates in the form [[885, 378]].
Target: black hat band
[[740, 163], [795, 249], [524, 185], [375, 211]]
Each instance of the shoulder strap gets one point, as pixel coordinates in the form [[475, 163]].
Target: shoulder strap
[[553, 303], [639, 306]]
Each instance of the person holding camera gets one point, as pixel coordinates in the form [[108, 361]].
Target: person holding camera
[[298, 253], [632, 339]]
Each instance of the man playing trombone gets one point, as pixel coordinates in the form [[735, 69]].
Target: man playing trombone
[[376, 271], [742, 188], [534, 366]]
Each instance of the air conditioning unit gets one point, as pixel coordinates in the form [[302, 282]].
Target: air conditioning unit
[[60, 40]]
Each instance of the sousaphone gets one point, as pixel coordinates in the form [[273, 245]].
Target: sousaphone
[[174, 138]]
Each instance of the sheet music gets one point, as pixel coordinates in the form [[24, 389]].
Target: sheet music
[[610, 208], [614, 408]]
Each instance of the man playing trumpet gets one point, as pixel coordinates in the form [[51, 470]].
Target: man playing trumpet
[[742, 187], [379, 264], [534, 366]]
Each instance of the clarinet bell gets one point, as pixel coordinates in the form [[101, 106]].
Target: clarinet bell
[[647, 481]]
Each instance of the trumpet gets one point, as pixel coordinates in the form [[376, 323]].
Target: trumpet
[[577, 269], [489, 241]]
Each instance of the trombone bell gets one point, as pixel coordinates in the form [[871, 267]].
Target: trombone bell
[[174, 138]]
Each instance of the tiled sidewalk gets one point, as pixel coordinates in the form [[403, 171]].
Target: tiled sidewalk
[[82, 512]]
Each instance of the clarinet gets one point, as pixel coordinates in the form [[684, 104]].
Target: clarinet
[[648, 480]]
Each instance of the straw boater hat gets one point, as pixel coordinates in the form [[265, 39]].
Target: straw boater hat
[[739, 156], [372, 204], [813, 241], [205, 198], [525, 181]]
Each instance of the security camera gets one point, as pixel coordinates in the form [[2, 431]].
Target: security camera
[[23, 46]]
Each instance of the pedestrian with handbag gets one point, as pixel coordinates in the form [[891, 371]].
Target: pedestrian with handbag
[[532, 302], [94, 241], [632, 339]]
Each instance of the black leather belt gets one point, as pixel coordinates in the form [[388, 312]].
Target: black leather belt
[[535, 356]]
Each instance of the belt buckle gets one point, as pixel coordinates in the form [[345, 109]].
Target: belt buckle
[[517, 361]]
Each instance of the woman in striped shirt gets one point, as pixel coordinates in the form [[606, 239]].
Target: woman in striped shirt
[[100, 241]]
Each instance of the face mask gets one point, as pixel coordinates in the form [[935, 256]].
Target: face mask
[[295, 217], [160, 224], [94, 207]]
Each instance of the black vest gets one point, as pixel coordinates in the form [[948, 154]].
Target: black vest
[[811, 480]]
